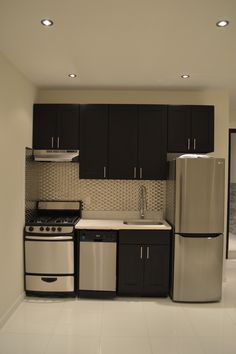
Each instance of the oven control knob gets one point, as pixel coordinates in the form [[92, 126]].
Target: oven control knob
[[41, 228], [53, 228], [31, 228], [47, 228], [59, 229]]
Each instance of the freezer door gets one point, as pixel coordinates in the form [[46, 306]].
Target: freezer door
[[199, 195], [197, 268]]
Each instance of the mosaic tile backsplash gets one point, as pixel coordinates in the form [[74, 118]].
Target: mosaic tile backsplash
[[60, 181]]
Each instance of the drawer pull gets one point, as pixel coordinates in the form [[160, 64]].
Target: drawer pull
[[147, 252], [49, 280], [188, 143], [141, 252], [141, 172]]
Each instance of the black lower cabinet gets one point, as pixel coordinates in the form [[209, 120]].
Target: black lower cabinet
[[143, 263], [130, 273]]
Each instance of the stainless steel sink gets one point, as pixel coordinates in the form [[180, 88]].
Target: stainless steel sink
[[142, 222]]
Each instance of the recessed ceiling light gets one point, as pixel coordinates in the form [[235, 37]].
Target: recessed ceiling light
[[185, 76], [222, 23], [72, 75], [46, 22]]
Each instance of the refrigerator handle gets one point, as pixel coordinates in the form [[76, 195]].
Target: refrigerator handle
[[206, 235], [179, 201]]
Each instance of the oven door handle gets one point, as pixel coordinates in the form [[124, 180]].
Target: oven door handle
[[49, 238]]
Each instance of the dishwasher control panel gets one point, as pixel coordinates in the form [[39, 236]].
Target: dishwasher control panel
[[98, 236]]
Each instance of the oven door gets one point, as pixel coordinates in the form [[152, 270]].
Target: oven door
[[49, 254]]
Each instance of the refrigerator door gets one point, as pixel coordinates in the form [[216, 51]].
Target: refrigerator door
[[199, 195], [197, 268]]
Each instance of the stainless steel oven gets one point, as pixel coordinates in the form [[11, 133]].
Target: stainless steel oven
[[49, 251]]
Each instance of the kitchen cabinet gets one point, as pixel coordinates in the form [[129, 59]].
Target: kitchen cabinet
[[94, 141], [143, 262], [123, 141], [137, 141], [191, 129], [152, 142], [56, 126]]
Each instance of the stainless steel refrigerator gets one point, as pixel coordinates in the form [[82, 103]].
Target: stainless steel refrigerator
[[195, 208]]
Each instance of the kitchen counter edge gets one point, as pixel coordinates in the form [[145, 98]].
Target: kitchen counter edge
[[95, 224]]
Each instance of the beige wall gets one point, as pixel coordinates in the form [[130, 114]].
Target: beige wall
[[16, 98], [232, 119]]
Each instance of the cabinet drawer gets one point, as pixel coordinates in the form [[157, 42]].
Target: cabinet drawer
[[49, 283], [151, 237]]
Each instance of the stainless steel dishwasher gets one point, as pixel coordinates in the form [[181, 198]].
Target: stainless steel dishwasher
[[97, 263]]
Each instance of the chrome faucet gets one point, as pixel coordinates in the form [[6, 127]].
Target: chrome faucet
[[143, 204]]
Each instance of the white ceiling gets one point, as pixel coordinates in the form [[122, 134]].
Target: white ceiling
[[122, 44]]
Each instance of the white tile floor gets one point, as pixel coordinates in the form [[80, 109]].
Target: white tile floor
[[124, 326]]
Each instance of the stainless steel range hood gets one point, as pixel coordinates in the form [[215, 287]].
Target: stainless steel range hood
[[56, 155]]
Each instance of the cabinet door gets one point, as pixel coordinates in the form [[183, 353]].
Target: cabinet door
[[152, 147], [123, 136], [156, 270], [202, 118], [179, 128], [93, 141], [44, 126], [67, 127], [130, 269]]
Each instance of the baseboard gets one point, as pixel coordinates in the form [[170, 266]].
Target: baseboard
[[12, 309]]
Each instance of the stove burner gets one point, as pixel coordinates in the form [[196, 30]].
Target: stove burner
[[62, 220], [40, 220]]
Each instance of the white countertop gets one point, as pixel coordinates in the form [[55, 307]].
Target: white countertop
[[106, 224]]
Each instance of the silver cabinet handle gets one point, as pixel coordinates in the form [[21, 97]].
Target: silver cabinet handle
[[52, 141], [147, 252], [141, 252], [104, 172], [141, 172], [188, 143], [135, 172], [58, 142], [194, 144]]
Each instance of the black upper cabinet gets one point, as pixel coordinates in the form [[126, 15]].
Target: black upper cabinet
[[123, 141], [191, 129], [137, 141], [56, 126], [93, 141], [44, 123], [152, 146], [202, 118]]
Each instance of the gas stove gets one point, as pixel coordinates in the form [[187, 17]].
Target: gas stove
[[54, 217], [49, 240]]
